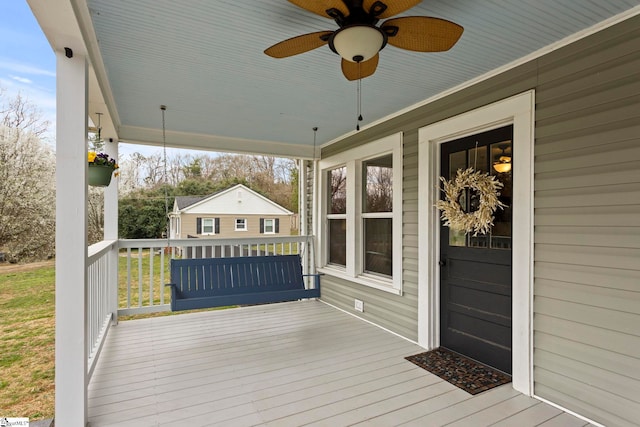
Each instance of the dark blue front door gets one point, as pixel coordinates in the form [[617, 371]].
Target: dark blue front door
[[475, 271]]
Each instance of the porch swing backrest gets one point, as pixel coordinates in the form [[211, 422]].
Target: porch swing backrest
[[217, 282]]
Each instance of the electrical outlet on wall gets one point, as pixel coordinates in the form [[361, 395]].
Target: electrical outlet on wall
[[359, 305]]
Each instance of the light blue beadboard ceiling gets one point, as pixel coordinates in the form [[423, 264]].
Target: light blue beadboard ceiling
[[204, 59]]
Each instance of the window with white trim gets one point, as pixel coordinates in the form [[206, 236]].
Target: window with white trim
[[361, 226], [208, 226], [337, 216], [269, 226], [241, 224], [377, 215]]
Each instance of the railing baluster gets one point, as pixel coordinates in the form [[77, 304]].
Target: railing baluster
[[151, 257], [128, 278], [139, 277], [162, 276]]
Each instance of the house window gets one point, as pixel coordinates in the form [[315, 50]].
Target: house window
[[377, 215], [241, 224], [269, 225], [337, 216], [361, 229], [207, 226]]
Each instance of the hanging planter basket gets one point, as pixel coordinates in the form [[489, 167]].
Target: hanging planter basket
[[100, 175]]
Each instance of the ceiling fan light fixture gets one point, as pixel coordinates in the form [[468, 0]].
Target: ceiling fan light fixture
[[503, 164], [357, 43]]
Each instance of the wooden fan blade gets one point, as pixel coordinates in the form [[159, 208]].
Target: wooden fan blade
[[393, 7], [355, 71], [299, 44], [421, 33], [320, 7]]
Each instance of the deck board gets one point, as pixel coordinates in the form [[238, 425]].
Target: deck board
[[289, 364]]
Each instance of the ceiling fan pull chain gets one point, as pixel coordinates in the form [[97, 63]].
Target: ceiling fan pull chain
[[359, 90]]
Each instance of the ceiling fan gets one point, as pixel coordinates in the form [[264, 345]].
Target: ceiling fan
[[358, 40]]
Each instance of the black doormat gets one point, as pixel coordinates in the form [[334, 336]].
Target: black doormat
[[467, 374]]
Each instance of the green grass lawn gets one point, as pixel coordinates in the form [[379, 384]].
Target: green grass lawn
[[27, 333], [27, 330]]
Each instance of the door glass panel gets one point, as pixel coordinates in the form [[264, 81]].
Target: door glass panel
[[458, 161], [496, 160], [502, 161], [478, 161]]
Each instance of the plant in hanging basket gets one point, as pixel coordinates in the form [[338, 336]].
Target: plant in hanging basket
[[480, 220], [101, 169]]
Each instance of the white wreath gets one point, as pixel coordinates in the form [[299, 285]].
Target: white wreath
[[480, 220]]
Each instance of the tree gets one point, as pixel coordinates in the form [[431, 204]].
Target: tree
[[27, 177], [143, 182], [142, 214], [95, 215], [295, 189]]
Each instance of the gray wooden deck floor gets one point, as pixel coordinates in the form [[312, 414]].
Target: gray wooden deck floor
[[289, 364]]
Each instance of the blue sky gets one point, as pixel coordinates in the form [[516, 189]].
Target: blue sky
[[28, 64]]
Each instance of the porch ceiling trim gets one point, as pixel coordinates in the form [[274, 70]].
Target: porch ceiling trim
[[195, 141]]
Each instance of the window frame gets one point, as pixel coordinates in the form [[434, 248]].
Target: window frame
[[353, 160], [213, 226], [332, 216], [244, 222], [370, 215], [273, 226]]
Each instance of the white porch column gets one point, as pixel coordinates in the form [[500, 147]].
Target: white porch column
[[111, 228], [71, 241]]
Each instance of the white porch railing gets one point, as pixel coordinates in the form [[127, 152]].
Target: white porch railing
[[100, 301], [143, 265], [127, 277]]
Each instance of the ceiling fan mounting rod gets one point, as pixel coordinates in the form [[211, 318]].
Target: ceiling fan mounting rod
[[357, 14]]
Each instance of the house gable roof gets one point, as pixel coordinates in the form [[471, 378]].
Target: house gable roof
[[184, 201], [237, 200]]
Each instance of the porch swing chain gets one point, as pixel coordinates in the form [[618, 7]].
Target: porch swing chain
[[312, 270], [163, 108]]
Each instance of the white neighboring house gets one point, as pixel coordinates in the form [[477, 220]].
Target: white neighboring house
[[237, 211]]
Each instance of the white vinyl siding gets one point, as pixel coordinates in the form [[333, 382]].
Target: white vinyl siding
[[587, 235]]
